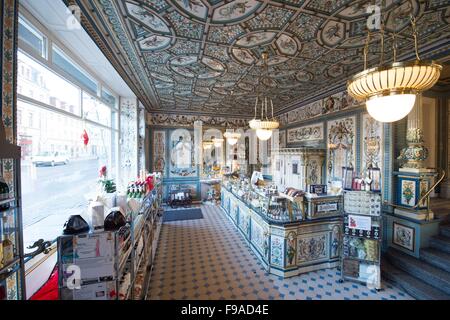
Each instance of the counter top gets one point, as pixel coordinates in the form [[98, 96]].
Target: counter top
[[281, 223]]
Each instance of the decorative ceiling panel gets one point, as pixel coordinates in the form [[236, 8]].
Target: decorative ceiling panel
[[203, 56]]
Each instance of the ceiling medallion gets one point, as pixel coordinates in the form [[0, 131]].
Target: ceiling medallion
[[190, 66], [264, 125], [390, 90]]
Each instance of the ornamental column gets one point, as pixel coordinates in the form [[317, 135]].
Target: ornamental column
[[414, 180], [198, 145], [415, 153]]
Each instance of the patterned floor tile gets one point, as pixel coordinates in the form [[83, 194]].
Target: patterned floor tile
[[208, 259]]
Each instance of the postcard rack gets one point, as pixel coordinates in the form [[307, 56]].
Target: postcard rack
[[362, 238]]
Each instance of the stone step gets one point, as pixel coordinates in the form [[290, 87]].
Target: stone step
[[427, 273], [441, 243], [413, 286], [436, 258], [445, 230]]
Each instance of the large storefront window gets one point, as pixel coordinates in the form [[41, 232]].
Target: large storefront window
[[59, 166], [95, 110], [38, 83]]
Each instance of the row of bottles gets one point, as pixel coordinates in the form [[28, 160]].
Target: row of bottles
[[137, 189], [361, 182]]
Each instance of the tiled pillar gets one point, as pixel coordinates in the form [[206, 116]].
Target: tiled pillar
[[9, 12], [128, 140], [416, 153], [141, 137]]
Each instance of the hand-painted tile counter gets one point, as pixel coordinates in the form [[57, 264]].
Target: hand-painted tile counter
[[286, 249]]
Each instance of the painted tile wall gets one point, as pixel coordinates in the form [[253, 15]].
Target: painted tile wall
[[8, 66], [339, 120]]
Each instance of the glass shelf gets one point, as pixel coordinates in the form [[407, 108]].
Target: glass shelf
[[4, 269], [5, 201]]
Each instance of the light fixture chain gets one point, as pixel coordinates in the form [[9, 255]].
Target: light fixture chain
[[366, 49], [271, 102], [414, 31], [394, 47], [382, 44]]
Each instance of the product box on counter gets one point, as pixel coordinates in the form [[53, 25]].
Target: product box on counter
[[323, 206]]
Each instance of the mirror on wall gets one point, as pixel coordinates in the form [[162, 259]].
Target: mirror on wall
[[181, 154], [213, 157]]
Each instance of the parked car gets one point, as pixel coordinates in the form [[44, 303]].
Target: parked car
[[50, 159]]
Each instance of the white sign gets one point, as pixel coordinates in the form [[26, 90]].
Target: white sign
[[327, 207], [359, 222]]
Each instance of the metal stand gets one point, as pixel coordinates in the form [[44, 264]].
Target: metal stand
[[371, 229]]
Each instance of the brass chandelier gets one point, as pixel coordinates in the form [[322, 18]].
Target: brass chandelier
[[208, 144], [232, 137], [390, 90], [264, 126], [217, 142]]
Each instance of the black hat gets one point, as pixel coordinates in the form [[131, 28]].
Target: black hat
[[114, 221], [75, 225]]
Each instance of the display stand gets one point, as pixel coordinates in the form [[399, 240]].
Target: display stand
[[113, 265], [180, 198], [362, 238], [12, 272]]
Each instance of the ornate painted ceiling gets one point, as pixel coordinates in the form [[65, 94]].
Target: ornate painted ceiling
[[203, 56]]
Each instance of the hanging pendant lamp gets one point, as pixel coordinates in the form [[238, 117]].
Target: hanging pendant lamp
[[264, 126], [390, 90], [232, 137], [217, 142], [208, 144]]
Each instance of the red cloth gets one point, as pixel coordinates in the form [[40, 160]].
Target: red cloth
[[49, 291]]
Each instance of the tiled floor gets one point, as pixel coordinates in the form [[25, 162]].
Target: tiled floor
[[208, 259]]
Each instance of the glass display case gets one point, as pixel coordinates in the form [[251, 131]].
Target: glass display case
[[266, 200], [277, 229], [12, 274]]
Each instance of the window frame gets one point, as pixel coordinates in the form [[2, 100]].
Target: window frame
[[37, 32], [66, 75], [46, 62]]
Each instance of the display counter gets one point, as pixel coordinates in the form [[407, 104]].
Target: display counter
[[287, 244]]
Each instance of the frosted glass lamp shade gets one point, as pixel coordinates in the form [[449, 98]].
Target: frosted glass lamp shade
[[263, 134], [390, 108]]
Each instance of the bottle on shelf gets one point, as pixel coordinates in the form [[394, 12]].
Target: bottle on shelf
[[8, 251], [4, 193]]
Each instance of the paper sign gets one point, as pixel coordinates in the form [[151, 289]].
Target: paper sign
[[359, 222]]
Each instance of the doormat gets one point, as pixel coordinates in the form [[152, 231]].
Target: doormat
[[182, 214]]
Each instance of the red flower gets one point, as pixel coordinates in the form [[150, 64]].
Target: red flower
[[149, 183], [102, 171]]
